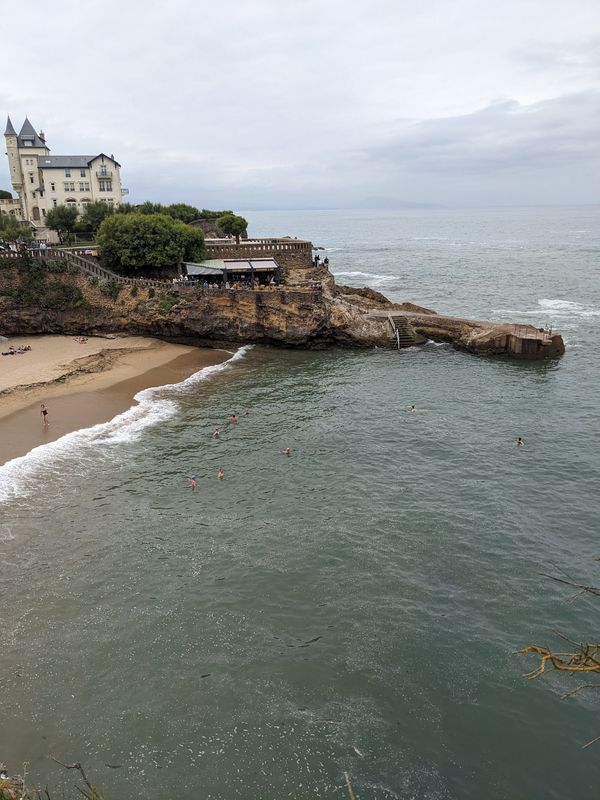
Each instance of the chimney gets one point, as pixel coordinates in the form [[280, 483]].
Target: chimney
[[42, 136]]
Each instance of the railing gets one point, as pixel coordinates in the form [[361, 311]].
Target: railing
[[104, 174], [258, 245]]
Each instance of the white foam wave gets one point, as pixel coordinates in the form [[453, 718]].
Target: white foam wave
[[152, 408], [566, 305], [366, 276]]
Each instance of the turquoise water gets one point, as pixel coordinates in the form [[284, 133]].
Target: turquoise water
[[356, 606]]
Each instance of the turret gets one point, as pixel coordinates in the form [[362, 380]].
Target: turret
[[14, 163]]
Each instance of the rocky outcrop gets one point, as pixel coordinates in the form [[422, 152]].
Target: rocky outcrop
[[310, 312]]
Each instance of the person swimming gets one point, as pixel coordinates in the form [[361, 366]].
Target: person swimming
[[287, 451], [44, 415], [412, 408], [520, 441], [216, 433], [234, 419], [192, 482], [220, 474]]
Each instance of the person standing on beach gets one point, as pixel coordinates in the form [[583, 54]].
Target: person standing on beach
[[44, 415]]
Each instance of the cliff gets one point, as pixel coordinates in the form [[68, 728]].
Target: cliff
[[309, 311]]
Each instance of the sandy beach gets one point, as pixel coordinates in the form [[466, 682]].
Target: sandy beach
[[82, 384]]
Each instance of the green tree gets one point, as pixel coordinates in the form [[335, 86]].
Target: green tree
[[62, 219], [4, 195], [147, 243], [233, 225], [13, 230], [182, 211], [94, 214]]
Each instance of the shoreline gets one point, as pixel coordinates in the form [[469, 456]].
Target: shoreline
[[82, 395]]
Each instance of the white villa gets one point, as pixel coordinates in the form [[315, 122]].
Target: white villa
[[43, 182]]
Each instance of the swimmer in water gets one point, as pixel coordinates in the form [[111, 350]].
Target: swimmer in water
[[234, 419], [520, 441], [412, 408], [192, 482], [221, 474], [287, 451], [44, 415], [216, 433]]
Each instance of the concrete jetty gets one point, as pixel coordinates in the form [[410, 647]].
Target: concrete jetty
[[476, 336]]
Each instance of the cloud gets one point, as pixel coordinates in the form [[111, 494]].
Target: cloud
[[282, 103]]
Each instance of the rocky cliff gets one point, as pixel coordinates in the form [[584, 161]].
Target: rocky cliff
[[311, 312]]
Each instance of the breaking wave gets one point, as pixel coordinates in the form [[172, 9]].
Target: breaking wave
[[153, 406]]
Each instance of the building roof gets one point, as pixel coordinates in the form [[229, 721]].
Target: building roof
[[27, 133], [215, 266], [10, 131], [77, 162], [60, 162]]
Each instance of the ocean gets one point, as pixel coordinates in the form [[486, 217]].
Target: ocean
[[355, 607]]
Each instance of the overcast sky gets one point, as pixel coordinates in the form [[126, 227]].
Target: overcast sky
[[316, 103]]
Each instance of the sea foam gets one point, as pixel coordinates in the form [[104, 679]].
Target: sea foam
[[153, 406]]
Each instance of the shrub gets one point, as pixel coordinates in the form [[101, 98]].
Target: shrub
[[56, 266], [134, 291], [110, 289], [167, 304], [146, 243], [151, 292], [92, 280]]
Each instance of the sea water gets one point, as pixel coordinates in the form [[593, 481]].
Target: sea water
[[356, 606]]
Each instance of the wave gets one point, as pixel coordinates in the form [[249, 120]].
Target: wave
[[370, 276], [151, 409], [567, 305], [553, 309]]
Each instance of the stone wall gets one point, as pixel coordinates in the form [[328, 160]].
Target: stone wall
[[288, 253]]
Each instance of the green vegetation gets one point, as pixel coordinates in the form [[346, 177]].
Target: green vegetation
[[233, 225], [151, 293], [63, 220], [34, 289], [137, 243], [134, 291], [12, 230], [110, 288], [4, 195], [93, 216], [207, 214], [181, 211], [167, 304]]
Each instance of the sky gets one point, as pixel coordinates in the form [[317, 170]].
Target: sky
[[271, 104]]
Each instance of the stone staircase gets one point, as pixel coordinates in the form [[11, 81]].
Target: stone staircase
[[402, 331], [91, 267]]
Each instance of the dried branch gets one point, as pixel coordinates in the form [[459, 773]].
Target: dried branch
[[93, 793]]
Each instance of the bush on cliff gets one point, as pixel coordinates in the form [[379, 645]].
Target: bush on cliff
[[147, 243]]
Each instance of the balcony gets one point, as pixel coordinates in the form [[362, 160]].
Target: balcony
[[104, 174]]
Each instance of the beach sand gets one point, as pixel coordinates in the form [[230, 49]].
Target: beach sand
[[52, 373]]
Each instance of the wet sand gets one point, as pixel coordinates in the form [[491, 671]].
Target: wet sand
[[103, 396]]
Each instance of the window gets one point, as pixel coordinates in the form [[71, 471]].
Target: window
[[67, 173], [30, 177], [69, 186], [82, 173], [105, 186], [52, 187], [85, 202], [84, 186], [71, 202], [54, 202], [103, 170]]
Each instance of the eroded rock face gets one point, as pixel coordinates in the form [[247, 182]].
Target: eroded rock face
[[292, 316], [313, 314]]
